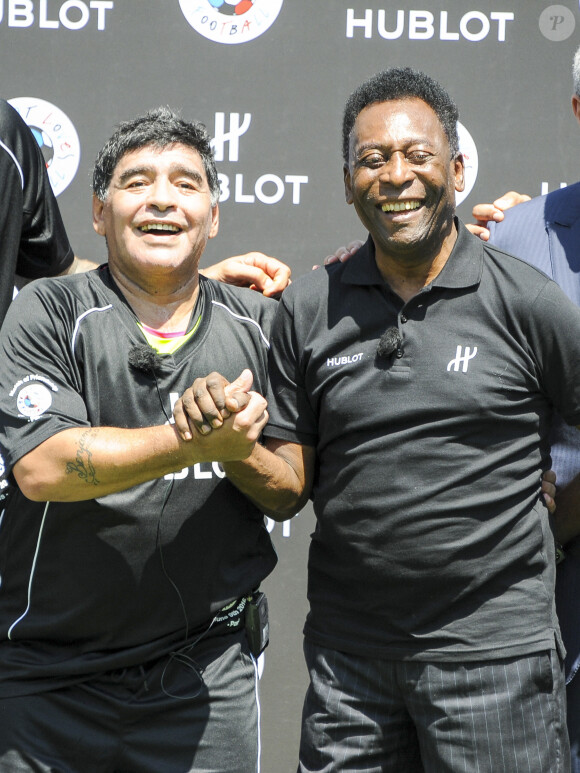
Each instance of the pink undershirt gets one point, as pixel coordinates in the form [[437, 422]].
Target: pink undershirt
[[159, 334]]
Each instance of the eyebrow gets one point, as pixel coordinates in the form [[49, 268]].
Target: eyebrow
[[373, 145], [177, 169]]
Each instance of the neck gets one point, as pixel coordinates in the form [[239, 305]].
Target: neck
[[406, 275], [163, 306]]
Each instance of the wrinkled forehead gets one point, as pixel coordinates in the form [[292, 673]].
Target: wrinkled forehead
[[156, 157], [398, 120]]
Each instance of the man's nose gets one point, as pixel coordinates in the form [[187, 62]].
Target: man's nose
[[397, 170], [161, 194]]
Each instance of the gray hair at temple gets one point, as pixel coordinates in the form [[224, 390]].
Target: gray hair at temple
[[576, 73]]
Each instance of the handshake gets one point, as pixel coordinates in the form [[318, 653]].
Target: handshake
[[213, 403]]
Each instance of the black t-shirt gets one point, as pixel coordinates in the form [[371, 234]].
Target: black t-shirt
[[102, 584], [33, 242], [431, 539]]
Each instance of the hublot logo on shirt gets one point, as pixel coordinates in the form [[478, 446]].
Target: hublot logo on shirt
[[332, 362], [462, 359]]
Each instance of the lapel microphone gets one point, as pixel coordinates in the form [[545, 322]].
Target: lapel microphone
[[142, 357], [389, 342]]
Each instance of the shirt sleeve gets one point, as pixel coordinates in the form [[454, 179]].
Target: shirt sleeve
[[10, 226], [44, 246], [554, 337], [43, 249], [291, 413], [40, 381]]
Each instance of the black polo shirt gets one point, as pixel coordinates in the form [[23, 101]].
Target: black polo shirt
[[106, 583], [431, 539]]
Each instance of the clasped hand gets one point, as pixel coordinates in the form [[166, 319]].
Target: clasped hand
[[213, 403]]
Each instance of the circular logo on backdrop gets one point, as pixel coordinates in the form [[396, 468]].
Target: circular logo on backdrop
[[467, 147], [231, 21], [56, 136], [557, 22], [33, 400]]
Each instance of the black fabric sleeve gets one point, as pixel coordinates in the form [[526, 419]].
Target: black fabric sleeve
[[10, 227], [44, 245], [43, 249], [40, 392], [554, 337], [291, 415]]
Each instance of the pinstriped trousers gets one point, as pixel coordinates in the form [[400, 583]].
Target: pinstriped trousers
[[377, 716]]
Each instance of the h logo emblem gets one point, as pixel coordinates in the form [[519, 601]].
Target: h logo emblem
[[232, 136], [462, 359]]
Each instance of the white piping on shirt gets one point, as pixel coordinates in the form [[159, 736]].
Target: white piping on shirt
[[80, 319], [13, 157], [23, 615], [258, 707], [244, 319]]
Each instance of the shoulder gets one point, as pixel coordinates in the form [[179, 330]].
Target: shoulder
[[16, 139], [524, 231], [516, 284], [241, 298], [503, 262], [60, 296], [309, 289], [239, 303], [10, 121], [559, 205], [21, 156]]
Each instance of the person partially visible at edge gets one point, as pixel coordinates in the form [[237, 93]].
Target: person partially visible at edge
[[546, 233]]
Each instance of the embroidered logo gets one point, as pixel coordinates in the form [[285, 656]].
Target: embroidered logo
[[332, 362], [462, 359]]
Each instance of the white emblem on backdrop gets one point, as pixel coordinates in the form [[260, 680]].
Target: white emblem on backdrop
[[72, 14], [424, 25], [56, 136], [469, 150], [267, 188], [231, 21]]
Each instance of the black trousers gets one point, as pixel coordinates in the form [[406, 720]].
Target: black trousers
[[170, 716]]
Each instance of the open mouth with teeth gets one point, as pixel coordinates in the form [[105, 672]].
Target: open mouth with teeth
[[400, 206], [159, 228]]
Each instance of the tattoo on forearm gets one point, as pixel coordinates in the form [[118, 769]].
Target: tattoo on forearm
[[83, 465]]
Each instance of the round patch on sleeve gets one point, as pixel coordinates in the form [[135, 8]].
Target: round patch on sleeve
[[33, 400]]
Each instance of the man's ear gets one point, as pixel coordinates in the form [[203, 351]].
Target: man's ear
[[347, 184], [98, 219], [459, 172], [215, 221], [576, 106]]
